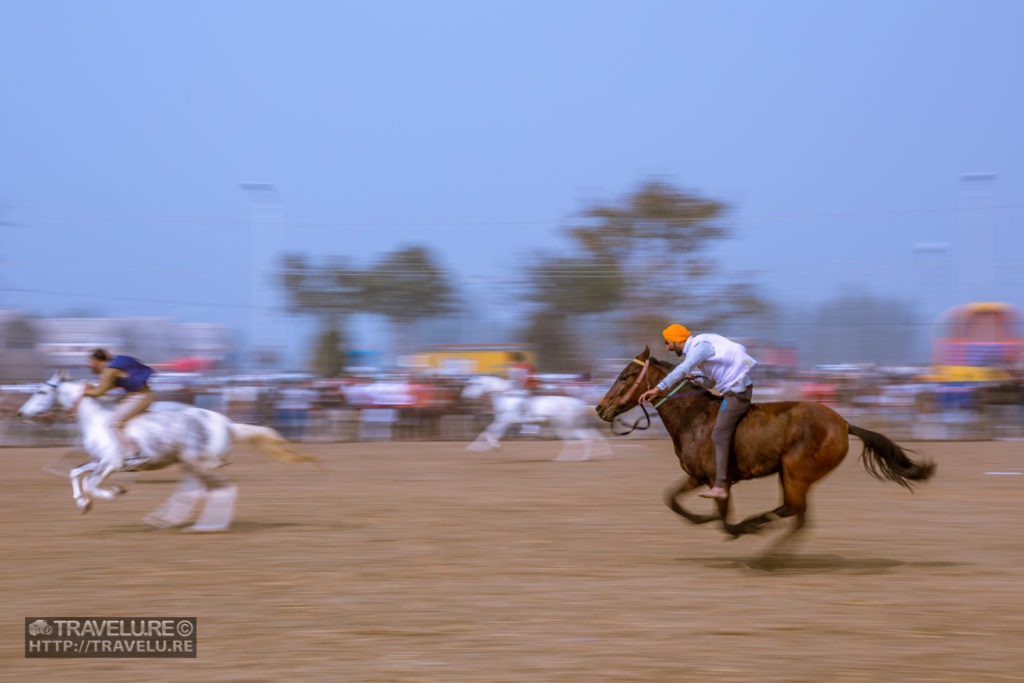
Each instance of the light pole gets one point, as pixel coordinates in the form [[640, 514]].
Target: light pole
[[976, 243], [266, 211]]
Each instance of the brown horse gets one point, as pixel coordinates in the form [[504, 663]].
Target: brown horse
[[800, 440]]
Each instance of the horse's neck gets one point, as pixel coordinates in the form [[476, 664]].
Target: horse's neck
[[681, 414], [497, 384], [503, 399], [91, 415]]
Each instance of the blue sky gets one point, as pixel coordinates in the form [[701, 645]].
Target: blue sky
[[838, 133]]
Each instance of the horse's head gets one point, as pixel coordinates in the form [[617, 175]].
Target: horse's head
[[639, 375], [481, 385], [52, 394]]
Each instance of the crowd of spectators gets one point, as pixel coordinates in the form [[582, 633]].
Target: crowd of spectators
[[405, 406]]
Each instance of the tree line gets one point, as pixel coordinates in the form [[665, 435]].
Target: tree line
[[633, 266], [639, 262]]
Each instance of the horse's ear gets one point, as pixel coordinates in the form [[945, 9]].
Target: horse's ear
[[62, 374], [645, 353]]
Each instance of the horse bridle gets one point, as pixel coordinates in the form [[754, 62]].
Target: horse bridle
[[625, 398], [628, 396], [55, 413]]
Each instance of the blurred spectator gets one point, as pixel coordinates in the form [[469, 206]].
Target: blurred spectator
[[292, 410]]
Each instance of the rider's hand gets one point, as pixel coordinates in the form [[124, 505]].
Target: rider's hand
[[648, 395]]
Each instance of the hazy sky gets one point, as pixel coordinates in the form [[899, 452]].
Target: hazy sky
[[838, 132]]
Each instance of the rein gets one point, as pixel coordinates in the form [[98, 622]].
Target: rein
[[636, 383], [629, 395], [56, 413]]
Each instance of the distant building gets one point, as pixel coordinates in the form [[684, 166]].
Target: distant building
[[20, 359], [66, 342]]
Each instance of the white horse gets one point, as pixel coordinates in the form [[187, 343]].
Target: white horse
[[565, 414], [167, 433]]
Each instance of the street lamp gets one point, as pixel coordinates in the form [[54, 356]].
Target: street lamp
[[266, 211], [976, 245]]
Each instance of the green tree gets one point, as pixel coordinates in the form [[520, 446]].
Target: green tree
[[329, 353], [329, 293], [662, 237], [574, 285], [649, 259], [406, 286], [547, 331], [563, 289]]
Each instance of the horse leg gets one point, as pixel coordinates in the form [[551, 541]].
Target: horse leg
[[219, 508], [482, 442], [684, 486], [754, 523], [94, 483], [603, 448], [176, 510], [82, 499], [490, 438], [794, 493], [734, 530], [569, 436], [593, 443], [495, 431]]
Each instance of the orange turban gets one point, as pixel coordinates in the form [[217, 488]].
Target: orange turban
[[675, 333]]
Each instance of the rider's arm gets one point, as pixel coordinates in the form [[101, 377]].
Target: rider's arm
[[106, 383], [697, 355]]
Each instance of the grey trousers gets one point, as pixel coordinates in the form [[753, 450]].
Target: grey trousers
[[734, 406]]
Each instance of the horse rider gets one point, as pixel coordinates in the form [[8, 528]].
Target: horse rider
[[123, 372], [522, 373], [726, 364]]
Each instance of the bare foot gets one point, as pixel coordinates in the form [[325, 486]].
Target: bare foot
[[718, 493]]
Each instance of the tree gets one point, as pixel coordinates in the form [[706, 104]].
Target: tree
[[406, 286], [329, 293], [574, 285], [663, 237], [548, 332], [329, 354], [647, 259]]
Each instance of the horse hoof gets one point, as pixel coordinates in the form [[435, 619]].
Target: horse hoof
[[120, 490], [206, 529], [157, 522], [84, 506]]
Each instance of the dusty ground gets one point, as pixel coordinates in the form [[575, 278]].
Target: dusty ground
[[424, 562]]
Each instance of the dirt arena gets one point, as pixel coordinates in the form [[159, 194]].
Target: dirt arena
[[425, 562]]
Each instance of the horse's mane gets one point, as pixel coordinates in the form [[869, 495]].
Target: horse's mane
[[665, 365]]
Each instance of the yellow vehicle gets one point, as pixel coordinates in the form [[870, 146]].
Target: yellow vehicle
[[471, 359]]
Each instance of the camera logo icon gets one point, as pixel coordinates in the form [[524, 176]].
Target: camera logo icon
[[39, 627]]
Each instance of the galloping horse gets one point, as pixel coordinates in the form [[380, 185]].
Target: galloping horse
[[800, 440], [167, 433], [566, 414]]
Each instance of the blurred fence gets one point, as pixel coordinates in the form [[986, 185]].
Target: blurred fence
[[901, 411]]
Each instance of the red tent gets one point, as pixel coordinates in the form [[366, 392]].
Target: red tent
[[187, 364]]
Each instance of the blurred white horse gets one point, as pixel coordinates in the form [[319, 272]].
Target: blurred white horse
[[568, 416], [167, 433]]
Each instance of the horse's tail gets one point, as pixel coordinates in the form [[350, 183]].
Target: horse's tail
[[269, 440], [883, 459]]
